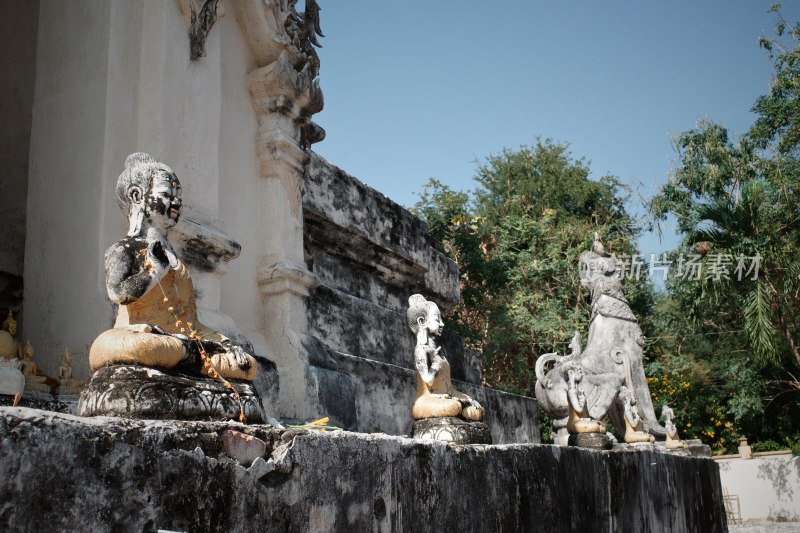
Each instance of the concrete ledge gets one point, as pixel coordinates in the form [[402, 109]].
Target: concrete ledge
[[65, 473]]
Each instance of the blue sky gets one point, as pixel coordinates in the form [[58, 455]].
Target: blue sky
[[421, 89]]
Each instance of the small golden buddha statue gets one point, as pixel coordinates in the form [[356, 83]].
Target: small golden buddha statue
[[9, 324], [8, 344], [34, 379], [67, 385]]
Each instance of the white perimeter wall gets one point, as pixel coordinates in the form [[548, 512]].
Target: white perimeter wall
[[768, 487]]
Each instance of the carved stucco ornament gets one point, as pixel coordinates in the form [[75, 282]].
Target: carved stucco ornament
[[203, 246], [276, 32], [285, 92], [274, 26], [199, 16]]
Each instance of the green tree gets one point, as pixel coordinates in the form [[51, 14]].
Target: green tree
[[516, 240], [778, 122], [735, 199]]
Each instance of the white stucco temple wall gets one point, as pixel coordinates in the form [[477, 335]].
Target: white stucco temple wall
[[125, 83]]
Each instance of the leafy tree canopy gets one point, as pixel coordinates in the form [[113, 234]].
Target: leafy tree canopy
[[736, 197], [722, 349], [517, 238]]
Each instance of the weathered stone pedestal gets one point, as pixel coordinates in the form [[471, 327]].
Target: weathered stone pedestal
[[160, 394], [31, 401], [454, 430], [693, 448], [594, 441]]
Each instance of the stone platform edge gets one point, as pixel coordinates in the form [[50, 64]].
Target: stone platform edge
[[64, 473]]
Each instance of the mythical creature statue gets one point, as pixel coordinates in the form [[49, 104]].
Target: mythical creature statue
[[612, 358], [436, 396], [157, 321]]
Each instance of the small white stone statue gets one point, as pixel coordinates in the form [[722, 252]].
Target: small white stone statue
[[745, 451], [579, 419], [634, 430], [673, 441], [436, 396]]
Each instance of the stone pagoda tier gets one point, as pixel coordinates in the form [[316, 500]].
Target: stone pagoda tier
[[367, 255]]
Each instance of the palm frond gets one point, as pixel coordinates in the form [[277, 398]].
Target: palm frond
[[758, 322]]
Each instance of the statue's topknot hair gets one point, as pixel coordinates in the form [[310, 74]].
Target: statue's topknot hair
[[138, 173]]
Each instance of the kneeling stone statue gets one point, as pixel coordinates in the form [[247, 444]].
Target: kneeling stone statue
[[186, 364], [440, 411]]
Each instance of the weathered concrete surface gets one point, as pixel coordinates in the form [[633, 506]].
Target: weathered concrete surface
[[64, 473], [360, 327], [694, 448]]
